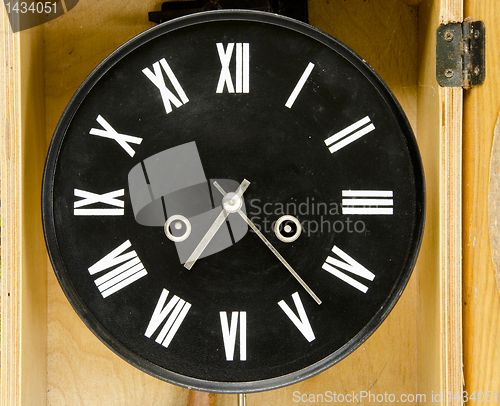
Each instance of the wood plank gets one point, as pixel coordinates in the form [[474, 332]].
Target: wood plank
[[75, 356], [481, 302], [24, 258], [439, 136]]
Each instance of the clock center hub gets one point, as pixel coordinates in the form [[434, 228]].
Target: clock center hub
[[232, 202]]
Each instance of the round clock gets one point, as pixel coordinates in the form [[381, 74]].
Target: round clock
[[233, 201]]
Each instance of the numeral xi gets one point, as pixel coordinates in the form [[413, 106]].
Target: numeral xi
[[167, 96]]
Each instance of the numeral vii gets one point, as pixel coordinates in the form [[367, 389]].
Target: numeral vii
[[167, 96], [242, 67], [123, 275], [348, 264], [350, 134], [229, 334], [174, 311]]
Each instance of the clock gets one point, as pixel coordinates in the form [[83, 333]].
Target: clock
[[233, 201]]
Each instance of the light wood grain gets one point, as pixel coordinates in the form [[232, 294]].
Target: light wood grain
[[494, 202], [481, 303], [439, 135], [23, 254], [197, 398], [407, 355]]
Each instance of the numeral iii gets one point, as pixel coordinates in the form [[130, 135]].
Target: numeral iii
[[367, 202]]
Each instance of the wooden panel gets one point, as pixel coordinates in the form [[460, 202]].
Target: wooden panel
[[481, 302], [404, 357], [80, 367], [23, 256], [439, 135]]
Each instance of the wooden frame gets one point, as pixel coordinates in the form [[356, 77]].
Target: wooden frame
[[48, 356]]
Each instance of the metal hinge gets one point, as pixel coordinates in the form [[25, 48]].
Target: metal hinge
[[460, 54]]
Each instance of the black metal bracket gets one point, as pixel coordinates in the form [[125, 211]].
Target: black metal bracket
[[296, 9], [460, 54]]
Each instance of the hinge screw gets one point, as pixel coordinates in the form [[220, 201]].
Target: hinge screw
[[448, 73], [448, 36], [477, 71], [477, 34]]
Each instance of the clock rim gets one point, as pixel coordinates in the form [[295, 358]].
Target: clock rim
[[49, 226]]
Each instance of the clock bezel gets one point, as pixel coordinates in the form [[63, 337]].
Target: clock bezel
[[49, 225]]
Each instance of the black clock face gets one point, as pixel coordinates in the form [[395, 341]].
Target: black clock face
[[233, 201]]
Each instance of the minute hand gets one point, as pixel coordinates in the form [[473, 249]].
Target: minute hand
[[278, 255]]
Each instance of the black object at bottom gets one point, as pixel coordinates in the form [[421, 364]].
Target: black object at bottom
[[296, 9]]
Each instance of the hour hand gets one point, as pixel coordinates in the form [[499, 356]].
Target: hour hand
[[206, 239], [230, 202]]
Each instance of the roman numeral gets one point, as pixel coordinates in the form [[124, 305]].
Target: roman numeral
[[174, 312], [130, 271], [109, 132], [229, 331], [89, 198], [300, 84], [348, 264], [367, 202], [350, 134], [301, 322], [242, 67], [166, 95]]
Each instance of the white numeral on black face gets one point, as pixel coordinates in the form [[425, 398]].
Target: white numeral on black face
[[301, 322], [348, 264], [109, 132], [174, 311], [242, 77], [367, 202], [89, 198], [350, 134], [300, 84], [123, 275], [229, 331], [167, 96]]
